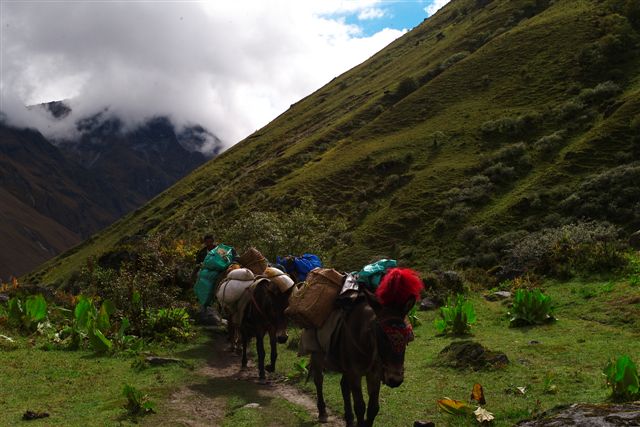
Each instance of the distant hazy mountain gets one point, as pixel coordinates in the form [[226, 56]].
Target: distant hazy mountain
[[55, 195]]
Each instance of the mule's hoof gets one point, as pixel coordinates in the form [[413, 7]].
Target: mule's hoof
[[323, 419]]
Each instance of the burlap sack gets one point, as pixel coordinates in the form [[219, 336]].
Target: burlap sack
[[312, 304], [253, 260]]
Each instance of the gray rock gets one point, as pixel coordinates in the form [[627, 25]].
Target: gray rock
[[157, 361], [588, 415], [427, 304], [498, 296], [252, 405]]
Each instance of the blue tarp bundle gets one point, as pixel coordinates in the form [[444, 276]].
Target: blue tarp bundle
[[301, 265], [371, 274]]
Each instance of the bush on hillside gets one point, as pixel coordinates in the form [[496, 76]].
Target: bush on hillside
[[453, 59], [613, 195], [551, 142], [599, 93], [294, 232], [511, 126], [573, 249], [500, 173]]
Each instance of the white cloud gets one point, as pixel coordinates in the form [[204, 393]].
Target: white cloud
[[230, 66], [435, 6], [371, 13]]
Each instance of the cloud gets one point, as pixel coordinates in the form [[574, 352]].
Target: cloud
[[371, 13], [229, 66], [435, 6]]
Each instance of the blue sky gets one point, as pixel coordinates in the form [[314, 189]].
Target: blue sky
[[396, 14]]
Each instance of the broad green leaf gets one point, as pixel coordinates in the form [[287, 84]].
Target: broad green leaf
[[83, 311], [124, 325], [36, 308], [15, 310], [99, 342]]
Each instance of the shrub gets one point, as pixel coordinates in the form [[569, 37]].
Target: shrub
[[550, 142], [530, 307], [585, 247], [569, 110], [601, 92], [500, 173], [172, 324], [622, 377], [613, 195], [456, 57], [511, 125], [292, 232], [456, 317]]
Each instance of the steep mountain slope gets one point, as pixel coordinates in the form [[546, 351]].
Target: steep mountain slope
[[28, 237], [488, 120], [58, 195]]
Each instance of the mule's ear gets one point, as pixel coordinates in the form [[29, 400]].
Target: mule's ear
[[409, 304]]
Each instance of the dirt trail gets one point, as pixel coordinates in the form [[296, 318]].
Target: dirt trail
[[205, 403]]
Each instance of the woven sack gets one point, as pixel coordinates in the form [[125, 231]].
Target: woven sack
[[312, 304], [253, 260]]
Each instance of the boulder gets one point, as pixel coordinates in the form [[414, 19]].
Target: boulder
[[634, 240], [428, 304], [470, 354], [498, 296], [588, 415]]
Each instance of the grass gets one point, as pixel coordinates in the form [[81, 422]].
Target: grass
[[76, 388], [598, 319], [569, 354]]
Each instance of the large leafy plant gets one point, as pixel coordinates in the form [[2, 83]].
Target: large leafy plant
[[91, 323], [173, 324], [138, 403], [622, 377], [456, 317], [27, 313], [531, 307]]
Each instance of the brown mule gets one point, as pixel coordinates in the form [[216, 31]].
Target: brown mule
[[264, 314], [370, 342]]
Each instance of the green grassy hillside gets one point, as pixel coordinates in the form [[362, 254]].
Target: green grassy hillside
[[491, 117]]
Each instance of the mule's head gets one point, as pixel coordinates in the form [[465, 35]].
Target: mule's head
[[397, 294], [394, 334]]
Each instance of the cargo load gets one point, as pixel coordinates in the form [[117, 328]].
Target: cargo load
[[279, 278], [314, 301], [253, 260], [219, 258], [233, 287], [300, 266], [372, 274], [216, 262], [204, 286]]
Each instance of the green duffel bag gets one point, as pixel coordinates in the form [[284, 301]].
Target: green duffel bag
[[371, 274], [204, 287], [219, 258]]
